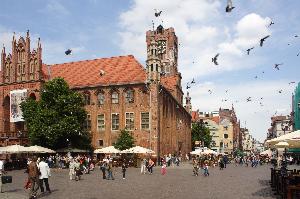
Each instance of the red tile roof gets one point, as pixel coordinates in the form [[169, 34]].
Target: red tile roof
[[195, 116], [169, 82], [216, 119], [117, 70]]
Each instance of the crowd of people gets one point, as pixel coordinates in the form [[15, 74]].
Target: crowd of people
[[38, 169]]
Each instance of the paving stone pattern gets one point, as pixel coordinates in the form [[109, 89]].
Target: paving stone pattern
[[178, 183]]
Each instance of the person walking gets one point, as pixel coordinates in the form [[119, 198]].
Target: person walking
[[33, 174], [1, 173], [45, 174], [195, 167], [124, 169], [110, 171], [103, 166], [225, 160], [143, 166], [77, 170], [150, 166], [163, 168], [71, 168]]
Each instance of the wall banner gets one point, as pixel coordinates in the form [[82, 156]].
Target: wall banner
[[16, 97]]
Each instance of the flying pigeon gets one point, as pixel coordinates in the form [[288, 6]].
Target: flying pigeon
[[210, 92], [263, 72], [261, 104], [248, 50], [277, 66], [249, 99], [291, 83], [256, 77], [280, 91], [187, 86], [271, 23], [226, 91], [193, 81], [224, 100], [157, 14], [215, 59], [68, 52], [262, 40], [261, 98], [296, 36], [229, 6], [298, 54]]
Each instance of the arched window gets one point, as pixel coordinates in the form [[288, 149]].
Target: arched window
[[114, 97], [32, 96], [129, 96], [87, 98], [100, 98]]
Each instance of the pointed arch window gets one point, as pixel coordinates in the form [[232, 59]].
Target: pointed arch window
[[114, 97], [101, 98], [129, 96], [87, 98]]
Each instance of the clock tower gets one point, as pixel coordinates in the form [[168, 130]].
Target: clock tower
[[167, 48]]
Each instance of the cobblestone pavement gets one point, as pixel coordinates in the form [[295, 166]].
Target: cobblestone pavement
[[178, 183]]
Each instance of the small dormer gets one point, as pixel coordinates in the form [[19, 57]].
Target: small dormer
[[160, 29]]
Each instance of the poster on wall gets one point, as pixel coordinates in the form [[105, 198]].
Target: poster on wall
[[16, 97]]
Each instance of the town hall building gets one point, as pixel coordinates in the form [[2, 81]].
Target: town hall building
[[119, 93]]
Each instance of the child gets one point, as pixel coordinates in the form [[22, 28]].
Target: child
[[163, 168], [206, 173], [123, 169]]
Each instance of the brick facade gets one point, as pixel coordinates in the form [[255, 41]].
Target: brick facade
[[102, 82]]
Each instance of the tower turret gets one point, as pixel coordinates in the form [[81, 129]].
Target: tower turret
[[188, 104], [153, 62]]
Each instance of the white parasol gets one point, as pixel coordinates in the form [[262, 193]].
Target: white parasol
[[138, 149], [109, 149], [13, 149], [38, 149]]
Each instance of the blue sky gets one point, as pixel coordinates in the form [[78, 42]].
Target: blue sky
[[98, 28]]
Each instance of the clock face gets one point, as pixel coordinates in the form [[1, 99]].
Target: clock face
[[161, 45]]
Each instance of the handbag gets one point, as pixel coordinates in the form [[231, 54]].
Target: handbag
[[6, 179]]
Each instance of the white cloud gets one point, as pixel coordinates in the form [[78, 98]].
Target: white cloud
[[203, 31], [55, 8]]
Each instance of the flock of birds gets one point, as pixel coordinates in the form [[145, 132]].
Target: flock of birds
[[277, 66], [228, 9]]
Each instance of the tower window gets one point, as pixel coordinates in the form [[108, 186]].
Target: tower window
[[151, 67]]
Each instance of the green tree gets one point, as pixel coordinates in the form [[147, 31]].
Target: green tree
[[57, 119], [201, 133], [124, 141]]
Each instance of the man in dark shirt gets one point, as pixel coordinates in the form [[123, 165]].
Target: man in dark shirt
[[33, 175]]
